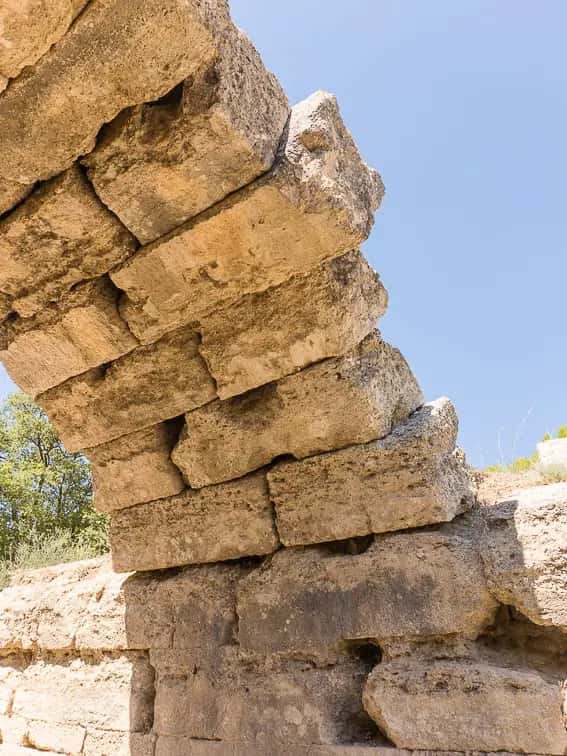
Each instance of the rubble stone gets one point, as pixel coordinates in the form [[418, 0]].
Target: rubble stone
[[309, 318], [525, 553], [136, 468], [119, 53], [158, 165], [151, 384], [222, 522], [408, 479], [330, 405], [82, 331], [316, 203], [414, 585], [459, 705], [61, 235]]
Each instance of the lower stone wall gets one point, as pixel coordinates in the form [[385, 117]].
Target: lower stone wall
[[358, 648]]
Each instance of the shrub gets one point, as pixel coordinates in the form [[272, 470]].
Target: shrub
[[562, 432]]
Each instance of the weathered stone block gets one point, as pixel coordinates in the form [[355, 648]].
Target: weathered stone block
[[407, 585], [136, 468], [59, 236], [30, 28], [12, 192], [255, 703], [316, 203], [525, 553], [77, 606], [313, 316], [82, 331], [466, 705], [330, 405], [191, 610], [410, 478], [119, 53], [58, 737], [78, 692], [221, 522], [158, 165], [105, 743], [151, 384], [181, 746]]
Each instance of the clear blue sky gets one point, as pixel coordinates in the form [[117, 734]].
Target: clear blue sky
[[462, 107]]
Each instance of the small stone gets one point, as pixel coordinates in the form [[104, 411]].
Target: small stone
[[317, 202], [136, 468], [223, 522], [82, 331], [61, 235], [313, 316], [330, 405], [410, 478], [119, 53], [414, 585], [158, 165], [149, 385], [466, 706], [525, 553]]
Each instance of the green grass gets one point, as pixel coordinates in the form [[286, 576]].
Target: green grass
[[523, 464], [50, 549]]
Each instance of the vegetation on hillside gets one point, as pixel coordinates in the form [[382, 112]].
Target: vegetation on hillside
[[46, 512]]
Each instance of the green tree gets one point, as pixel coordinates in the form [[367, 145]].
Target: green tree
[[43, 488]]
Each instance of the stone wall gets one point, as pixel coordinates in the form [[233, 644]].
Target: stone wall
[[181, 289]]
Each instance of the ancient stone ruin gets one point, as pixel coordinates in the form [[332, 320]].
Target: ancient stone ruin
[[301, 566]]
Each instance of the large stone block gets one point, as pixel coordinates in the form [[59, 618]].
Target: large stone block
[[59, 236], [330, 405], [408, 585], [317, 202], [218, 523], [168, 745], [158, 165], [313, 316], [77, 692], [190, 610], [410, 478], [82, 331], [68, 607], [55, 737], [151, 384], [136, 468], [237, 701], [525, 553], [118, 53], [466, 705], [30, 28]]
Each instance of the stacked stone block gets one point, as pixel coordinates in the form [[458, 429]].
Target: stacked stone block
[[182, 290]]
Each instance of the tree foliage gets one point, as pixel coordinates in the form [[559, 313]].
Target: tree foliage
[[43, 488]]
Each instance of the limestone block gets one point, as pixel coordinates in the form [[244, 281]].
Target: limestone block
[[29, 28], [114, 693], [237, 702], [223, 522], [104, 743], [158, 165], [553, 452], [61, 738], [13, 731], [180, 746], [135, 468], [466, 705], [76, 606], [525, 553], [119, 53], [316, 203], [191, 610], [412, 585], [408, 479], [59, 236], [150, 384], [310, 317], [82, 331], [338, 402]]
